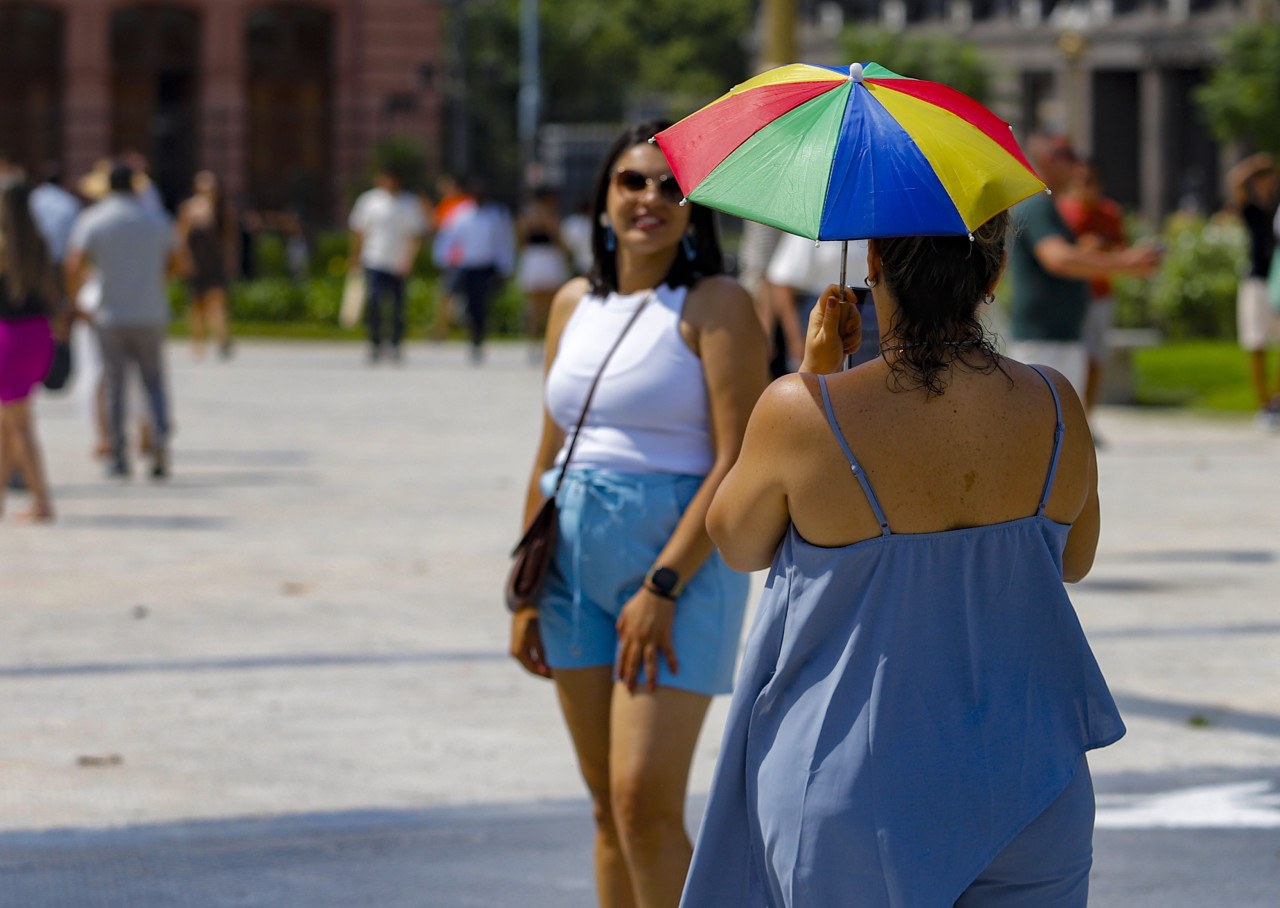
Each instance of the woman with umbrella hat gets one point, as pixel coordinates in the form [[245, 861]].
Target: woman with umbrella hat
[[909, 725]]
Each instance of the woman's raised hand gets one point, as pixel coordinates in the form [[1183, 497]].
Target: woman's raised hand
[[835, 331]]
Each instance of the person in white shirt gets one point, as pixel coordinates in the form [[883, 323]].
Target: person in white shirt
[[387, 227], [54, 210], [799, 272], [481, 241]]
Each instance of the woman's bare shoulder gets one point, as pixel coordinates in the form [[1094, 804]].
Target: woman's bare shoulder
[[789, 410], [715, 299]]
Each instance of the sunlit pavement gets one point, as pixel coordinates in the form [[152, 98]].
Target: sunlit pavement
[[279, 678]]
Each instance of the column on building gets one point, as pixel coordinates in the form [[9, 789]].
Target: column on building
[[87, 104], [353, 116], [1154, 127], [222, 106]]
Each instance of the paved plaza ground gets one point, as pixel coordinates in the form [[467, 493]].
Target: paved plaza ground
[[279, 679]]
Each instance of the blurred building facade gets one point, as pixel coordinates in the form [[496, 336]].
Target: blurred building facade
[[284, 99], [1115, 75]]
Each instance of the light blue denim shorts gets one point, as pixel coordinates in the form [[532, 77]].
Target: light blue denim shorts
[[612, 528]]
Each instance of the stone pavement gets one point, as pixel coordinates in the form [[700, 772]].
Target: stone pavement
[[279, 678]]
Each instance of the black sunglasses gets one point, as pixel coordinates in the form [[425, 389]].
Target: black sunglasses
[[635, 182]]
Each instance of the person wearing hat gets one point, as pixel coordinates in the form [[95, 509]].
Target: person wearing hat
[[131, 250]]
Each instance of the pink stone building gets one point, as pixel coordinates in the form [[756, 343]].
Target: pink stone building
[[284, 99]]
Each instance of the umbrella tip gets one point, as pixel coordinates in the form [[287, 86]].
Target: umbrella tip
[[855, 72]]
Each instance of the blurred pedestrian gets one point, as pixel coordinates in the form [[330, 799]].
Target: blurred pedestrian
[[207, 239], [481, 243], [28, 301], [387, 226], [755, 252], [542, 265], [454, 201], [1050, 270], [54, 209], [575, 234], [132, 250], [1255, 192], [798, 273], [1098, 223], [639, 619]]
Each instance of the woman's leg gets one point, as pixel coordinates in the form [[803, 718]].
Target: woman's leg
[[215, 302], [653, 738], [198, 314], [585, 698], [539, 311], [23, 451]]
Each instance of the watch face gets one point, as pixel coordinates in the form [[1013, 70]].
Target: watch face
[[665, 579]]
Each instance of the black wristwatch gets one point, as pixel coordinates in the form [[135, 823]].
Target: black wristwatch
[[664, 581]]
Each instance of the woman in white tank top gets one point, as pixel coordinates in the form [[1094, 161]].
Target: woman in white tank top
[[639, 620]]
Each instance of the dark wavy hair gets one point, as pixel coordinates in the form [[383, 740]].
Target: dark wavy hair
[[708, 258], [938, 283], [24, 257]]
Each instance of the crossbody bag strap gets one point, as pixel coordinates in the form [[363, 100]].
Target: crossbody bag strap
[[591, 392]]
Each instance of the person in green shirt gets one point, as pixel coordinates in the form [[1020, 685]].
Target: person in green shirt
[[1049, 270]]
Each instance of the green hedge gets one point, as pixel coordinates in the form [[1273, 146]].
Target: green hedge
[[317, 300], [1194, 294]]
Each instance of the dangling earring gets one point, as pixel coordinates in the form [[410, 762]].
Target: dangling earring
[[869, 281], [690, 251], [610, 238], [989, 298]]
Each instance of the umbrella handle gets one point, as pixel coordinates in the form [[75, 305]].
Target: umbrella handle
[[844, 261]]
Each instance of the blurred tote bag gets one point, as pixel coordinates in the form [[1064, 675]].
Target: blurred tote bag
[[352, 298]]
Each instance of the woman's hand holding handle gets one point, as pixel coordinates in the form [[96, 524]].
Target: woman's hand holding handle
[[835, 331]]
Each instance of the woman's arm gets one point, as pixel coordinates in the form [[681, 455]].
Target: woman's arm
[[725, 334], [552, 438], [526, 641], [1078, 447], [749, 515]]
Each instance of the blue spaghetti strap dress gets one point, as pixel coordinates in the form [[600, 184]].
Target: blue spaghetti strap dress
[[906, 706]]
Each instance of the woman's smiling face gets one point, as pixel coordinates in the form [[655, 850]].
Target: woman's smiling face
[[645, 221]]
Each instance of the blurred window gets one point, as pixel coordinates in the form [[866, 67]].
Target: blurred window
[[31, 65], [290, 59], [155, 91]]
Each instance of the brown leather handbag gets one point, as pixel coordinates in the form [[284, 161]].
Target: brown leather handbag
[[533, 552]]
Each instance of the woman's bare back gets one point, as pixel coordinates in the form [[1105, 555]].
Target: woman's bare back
[[978, 454]]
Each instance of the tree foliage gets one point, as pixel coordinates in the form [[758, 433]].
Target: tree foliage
[[1241, 98], [937, 58], [599, 62]]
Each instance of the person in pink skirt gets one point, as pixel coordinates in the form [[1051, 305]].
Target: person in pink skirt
[[27, 292]]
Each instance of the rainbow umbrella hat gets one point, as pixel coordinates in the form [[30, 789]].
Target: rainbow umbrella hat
[[849, 153]]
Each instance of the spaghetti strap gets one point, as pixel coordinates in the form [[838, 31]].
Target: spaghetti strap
[[1057, 444], [853, 461]]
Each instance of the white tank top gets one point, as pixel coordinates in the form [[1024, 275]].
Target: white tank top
[[649, 414]]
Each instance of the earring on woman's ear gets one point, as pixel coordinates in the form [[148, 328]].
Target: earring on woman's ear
[[869, 281], [989, 298], [690, 251], [610, 238]]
